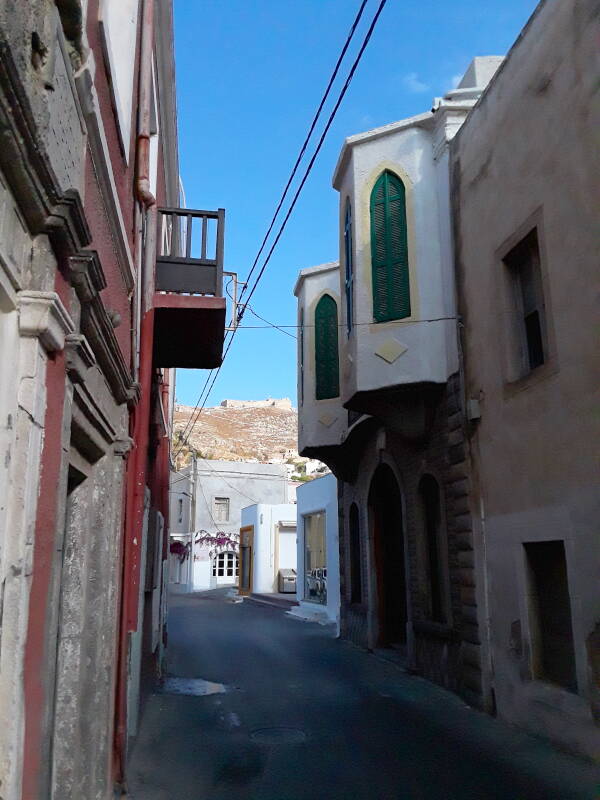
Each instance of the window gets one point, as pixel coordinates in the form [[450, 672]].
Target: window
[[389, 249], [225, 565], [524, 263], [221, 506], [180, 510], [553, 653], [315, 559], [355, 559], [326, 349], [301, 356], [432, 544], [349, 267]]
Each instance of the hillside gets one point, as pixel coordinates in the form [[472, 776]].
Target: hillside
[[240, 432]]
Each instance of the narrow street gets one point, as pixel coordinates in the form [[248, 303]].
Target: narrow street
[[302, 715]]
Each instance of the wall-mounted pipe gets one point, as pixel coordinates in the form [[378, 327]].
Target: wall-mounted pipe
[[145, 245]]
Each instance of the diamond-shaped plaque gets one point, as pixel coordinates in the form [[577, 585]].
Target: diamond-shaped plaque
[[327, 419], [391, 350]]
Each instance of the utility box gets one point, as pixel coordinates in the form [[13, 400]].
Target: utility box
[[287, 581]]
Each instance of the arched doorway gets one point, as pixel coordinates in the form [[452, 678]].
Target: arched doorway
[[385, 514]]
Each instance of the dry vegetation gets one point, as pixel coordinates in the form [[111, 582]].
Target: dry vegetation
[[237, 434]]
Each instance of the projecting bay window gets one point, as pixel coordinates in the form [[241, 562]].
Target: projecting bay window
[[389, 249], [523, 262], [327, 365]]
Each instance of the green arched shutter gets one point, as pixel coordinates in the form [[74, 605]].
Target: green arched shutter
[[389, 249], [326, 349]]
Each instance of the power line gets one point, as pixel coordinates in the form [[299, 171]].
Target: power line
[[206, 394], [271, 324], [315, 154], [342, 325], [231, 486], [295, 198], [308, 136]]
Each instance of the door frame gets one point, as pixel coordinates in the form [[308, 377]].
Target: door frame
[[246, 542]]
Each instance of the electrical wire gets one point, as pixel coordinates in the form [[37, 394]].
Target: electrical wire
[[271, 324], [342, 325], [291, 208], [309, 134], [314, 156], [231, 486]]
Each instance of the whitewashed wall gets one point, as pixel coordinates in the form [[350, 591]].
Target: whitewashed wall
[[267, 520], [314, 496], [421, 347], [119, 23], [320, 422]]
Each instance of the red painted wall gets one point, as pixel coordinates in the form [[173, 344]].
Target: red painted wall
[[115, 296], [123, 172], [36, 700]]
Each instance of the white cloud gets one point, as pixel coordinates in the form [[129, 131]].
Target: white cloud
[[413, 84]]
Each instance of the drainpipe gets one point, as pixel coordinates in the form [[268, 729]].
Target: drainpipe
[[143, 312]]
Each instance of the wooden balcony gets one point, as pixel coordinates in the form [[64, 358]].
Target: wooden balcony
[[189, 307]]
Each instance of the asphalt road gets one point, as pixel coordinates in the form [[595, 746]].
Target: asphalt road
[[295, 714]]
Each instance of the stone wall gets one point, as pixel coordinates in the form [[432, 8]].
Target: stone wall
[[449, 654]]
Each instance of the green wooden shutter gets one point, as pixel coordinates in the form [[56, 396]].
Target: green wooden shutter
[[327, 367], [389, 249]]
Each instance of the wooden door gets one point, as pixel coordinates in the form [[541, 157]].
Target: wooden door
[[246, 560]]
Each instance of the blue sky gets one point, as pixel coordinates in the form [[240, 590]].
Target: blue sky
[[250, 74]]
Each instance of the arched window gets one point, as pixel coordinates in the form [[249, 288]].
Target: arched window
[[301, 356], [389, 249], [349, 267], [355, 559], [326, 348], [434, 561]]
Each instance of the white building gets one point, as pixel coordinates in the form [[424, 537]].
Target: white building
[[318, 588], [267, 546], [206, 514]]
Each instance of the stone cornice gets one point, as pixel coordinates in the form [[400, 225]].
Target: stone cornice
[[87, 277], [80, 357], [42, 315]]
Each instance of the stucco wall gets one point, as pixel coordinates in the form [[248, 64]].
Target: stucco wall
[[267, 521], [243, 483], [320, 422], [528, 157], [320, 494], [406, 150]]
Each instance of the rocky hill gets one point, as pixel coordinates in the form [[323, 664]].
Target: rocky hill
[[235, 431]]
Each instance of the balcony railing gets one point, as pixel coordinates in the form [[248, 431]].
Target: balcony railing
[[190, 256]]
